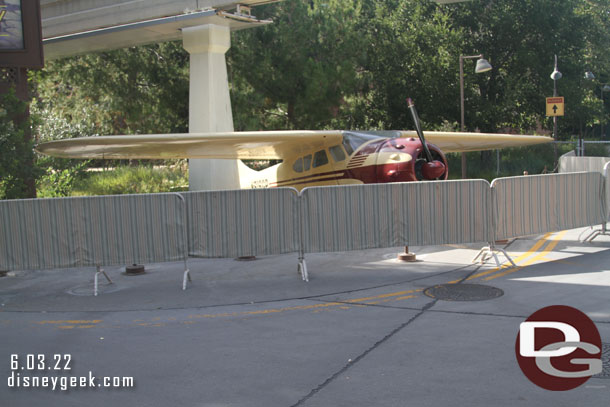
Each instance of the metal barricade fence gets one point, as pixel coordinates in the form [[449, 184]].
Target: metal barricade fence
[[92, 231], [242, 223], [607, 185], [126, 229], [389, 215], [537, 204], [569, 163]]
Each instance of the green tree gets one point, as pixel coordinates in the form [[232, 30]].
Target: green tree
[[412, 53], [17, 169], [132, 90], [298, 71], [520, 38]]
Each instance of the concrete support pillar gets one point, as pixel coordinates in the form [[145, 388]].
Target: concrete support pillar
[[209, 103]]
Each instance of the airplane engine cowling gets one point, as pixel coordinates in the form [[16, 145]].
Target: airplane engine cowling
[[404, 160]]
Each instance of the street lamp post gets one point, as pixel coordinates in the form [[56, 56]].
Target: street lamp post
[[590, 77], [482, 66], [555, 76], [605, 87]]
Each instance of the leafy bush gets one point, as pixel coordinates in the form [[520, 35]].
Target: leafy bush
[[132, 180], [17, 168]]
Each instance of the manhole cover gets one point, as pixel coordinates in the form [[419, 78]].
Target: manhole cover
[[605, 374], [463, 292], [87, 290]]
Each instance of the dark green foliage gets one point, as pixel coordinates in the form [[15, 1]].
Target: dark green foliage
[[133, 90], [17, 169], [295, 73]]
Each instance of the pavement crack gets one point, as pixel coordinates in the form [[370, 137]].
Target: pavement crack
[[427, 307], [397, 283], [472, 273], [364, 354]]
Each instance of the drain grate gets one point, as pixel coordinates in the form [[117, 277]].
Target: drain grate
[[463, 292], [605, 374]]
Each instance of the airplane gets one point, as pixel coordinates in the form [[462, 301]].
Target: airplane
[[309, 158]]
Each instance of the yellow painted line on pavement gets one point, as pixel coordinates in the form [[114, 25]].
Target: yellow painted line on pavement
[[404, 298], [518, 259], [71, 322], [402, 295], [541, 256], [265, 311], [382, 296]]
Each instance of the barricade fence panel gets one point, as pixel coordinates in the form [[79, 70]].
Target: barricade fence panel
[[388, 215], [582, 164], [92, 231], [353, 217], [607, 185], [238, 223], [450, 212], [536, 204]]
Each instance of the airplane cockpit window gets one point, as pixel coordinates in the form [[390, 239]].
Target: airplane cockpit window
[[337, 153], [298, 165], [352, 142], [307, 162], [320, 159], [302, 164]]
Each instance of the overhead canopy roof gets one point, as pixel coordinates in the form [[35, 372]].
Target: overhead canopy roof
[[76, 26], [140, 33]]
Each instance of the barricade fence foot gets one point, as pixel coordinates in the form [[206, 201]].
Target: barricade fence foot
[[99, 270], [482, 256], [488, 252], [595, 233], [186, 277], [302, 269]]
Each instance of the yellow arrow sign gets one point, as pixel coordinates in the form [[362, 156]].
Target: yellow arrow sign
[[554, 106]]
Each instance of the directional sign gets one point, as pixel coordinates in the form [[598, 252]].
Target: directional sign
[[554, 106]]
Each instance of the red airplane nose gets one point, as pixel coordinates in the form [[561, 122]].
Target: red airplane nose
[[433, 170]]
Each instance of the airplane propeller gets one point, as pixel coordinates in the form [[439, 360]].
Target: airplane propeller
[[432, 169]]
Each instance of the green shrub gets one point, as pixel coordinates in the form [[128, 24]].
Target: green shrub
[[132, 180]]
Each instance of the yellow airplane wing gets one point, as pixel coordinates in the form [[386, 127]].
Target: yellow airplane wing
[[462, 142], [257, 144], [234, 145]]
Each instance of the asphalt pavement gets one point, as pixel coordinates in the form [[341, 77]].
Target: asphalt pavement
[[365, 330]]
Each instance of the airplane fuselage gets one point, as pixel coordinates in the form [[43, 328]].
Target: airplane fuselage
[[358, 159]]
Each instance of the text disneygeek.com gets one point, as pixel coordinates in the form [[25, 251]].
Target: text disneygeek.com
[[24, 368]]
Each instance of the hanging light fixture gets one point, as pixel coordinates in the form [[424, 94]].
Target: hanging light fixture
[[482, 66]]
